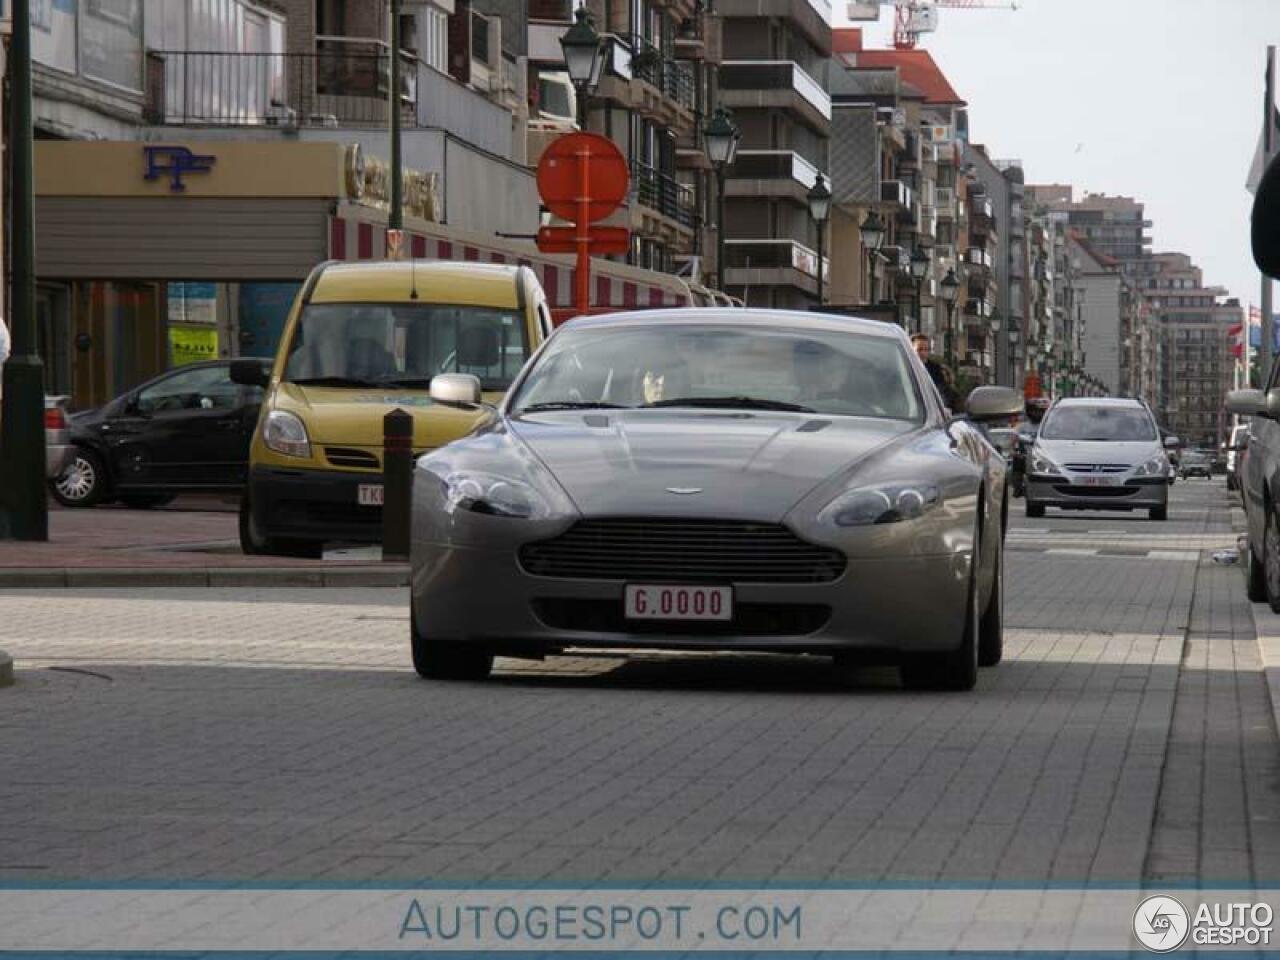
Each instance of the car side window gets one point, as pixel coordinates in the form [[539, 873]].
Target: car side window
[[208, 388]]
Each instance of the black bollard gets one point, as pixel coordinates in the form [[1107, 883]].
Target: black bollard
[[397, 483]]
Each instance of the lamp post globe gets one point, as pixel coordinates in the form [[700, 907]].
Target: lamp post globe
[[720, 141], [819, 197], [950, 289], [872, 233], [583, 58], [920, 261]]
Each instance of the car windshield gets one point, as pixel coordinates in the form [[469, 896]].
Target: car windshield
[[726, 366], [1097, 423], [374, 344]]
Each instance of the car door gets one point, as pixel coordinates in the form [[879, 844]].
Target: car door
[[1261, 469], [186, 430]]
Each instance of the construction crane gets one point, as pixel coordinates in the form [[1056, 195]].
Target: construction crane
[[911, 18]]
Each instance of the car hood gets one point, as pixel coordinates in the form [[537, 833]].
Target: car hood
[[739, 465], [1129, 453], [353, 417]]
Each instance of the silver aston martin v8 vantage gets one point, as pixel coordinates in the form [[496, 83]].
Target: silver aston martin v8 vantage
[[715, 480]]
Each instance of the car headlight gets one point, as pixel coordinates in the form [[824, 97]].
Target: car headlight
[[885, 503], [490, 494], [1155, 467], [1042, 464], [285, 433]]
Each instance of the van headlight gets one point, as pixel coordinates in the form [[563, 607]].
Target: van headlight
[[883, 503], [1155, 467], [285, 433], [1042, 465]]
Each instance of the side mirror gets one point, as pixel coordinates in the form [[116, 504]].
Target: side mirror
[[1265, 230], [994, 403], [249, 373], [1246, 403], [456, 389]]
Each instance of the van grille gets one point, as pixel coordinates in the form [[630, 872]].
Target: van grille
[[351, 457]]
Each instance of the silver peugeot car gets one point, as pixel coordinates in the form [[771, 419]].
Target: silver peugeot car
[[715, 480], [1098, 454]]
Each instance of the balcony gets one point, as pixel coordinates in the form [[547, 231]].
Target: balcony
[[772, 263], [701, 40], [771, 173], [661, 193], [672, 78], [978, 257], [980, 208], [775, 85], [897, 194], [812, 18]]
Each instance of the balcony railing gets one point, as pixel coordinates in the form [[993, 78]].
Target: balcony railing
[[773, 255], [674, 78], [345, 80], [775, 75], [773, 165], [661, 192]]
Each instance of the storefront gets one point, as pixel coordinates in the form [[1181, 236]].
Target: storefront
[[149, 255]]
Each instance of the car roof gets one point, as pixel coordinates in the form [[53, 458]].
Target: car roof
[[434, 281], [747, 317], [1117, 402]]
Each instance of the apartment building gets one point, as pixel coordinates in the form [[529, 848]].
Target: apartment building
[[774, 80]]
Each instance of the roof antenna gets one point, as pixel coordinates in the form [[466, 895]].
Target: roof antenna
[[413, 277]]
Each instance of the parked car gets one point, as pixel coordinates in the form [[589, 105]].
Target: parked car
[[363, 339], [1099, 454], [185, 430], [713, 479], [1237, 446], [57, 436], [1194, 463]]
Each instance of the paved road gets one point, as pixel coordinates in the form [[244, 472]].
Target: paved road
[[280, 735]]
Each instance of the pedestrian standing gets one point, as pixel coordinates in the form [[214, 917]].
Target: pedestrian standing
[[938, 373]]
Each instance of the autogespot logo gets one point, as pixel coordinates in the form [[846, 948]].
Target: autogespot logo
[[1161, 924]]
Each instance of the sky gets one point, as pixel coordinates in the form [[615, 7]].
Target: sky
[[1161, 100]]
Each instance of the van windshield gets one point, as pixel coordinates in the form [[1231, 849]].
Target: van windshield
[[1097, 423], [375, 344]]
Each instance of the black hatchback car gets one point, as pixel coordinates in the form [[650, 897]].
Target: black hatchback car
[[186, 430]]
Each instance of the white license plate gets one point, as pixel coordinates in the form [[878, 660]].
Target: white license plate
[[670, 602], [369, 494], [1113, 480]]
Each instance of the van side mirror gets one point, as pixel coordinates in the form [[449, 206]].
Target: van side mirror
[[249, 373], [456, 389]]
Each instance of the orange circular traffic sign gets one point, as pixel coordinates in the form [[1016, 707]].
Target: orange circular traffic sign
[[563, 186]]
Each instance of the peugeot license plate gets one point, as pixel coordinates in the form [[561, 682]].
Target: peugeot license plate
[[369, 495], [1105, 480], [671, 602]]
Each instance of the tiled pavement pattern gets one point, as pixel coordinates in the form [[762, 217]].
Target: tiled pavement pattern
[[281, 735]]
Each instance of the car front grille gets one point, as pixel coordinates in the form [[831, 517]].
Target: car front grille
[[681, 551], [352, 457], [749, 619], [1080, 490], [1096, 467]]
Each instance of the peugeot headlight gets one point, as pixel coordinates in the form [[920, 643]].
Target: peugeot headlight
[[1041, 464], [284, 433], [1155, 467], [490, 494], [885, 503]]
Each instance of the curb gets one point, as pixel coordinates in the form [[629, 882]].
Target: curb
[[381, 575], [6, 670]]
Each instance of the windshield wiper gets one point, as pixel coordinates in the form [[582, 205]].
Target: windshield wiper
[[333, 382], [572, 405], [421, 382], [738, 402]]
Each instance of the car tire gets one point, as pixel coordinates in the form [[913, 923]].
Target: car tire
[[991, 626], [1255, 576], [83, 483], [434, 659], [956, 669], [1158, 513], [1034, 510], [255, 544], [1271, 559], [145, 501]]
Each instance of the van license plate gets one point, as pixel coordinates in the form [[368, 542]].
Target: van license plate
[[669, 602], [369, 494]]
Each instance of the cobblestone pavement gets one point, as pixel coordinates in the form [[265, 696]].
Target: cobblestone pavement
[[281, 735]]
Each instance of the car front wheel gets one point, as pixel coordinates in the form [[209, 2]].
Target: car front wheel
[[255, 543], [1159, 513], [436, 659], [1271, 559], [957, 669], [1035, 510], [83, 483]]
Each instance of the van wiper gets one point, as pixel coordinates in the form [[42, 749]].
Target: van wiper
[[572, 405], [421, 383], [735, 402], [333, 382]]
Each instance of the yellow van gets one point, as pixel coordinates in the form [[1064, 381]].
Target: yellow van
[[361, 340]]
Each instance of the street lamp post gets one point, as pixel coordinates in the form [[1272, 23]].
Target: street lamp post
[[395, 216], [872, 233], [583, 59], [919, 270], [819, 198], [720, 141], [24, 511], [993, 325], [950, 289]]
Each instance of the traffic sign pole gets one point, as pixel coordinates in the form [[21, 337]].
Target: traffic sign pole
[[583, 292]]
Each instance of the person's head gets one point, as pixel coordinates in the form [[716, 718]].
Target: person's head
[[921, 344]]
